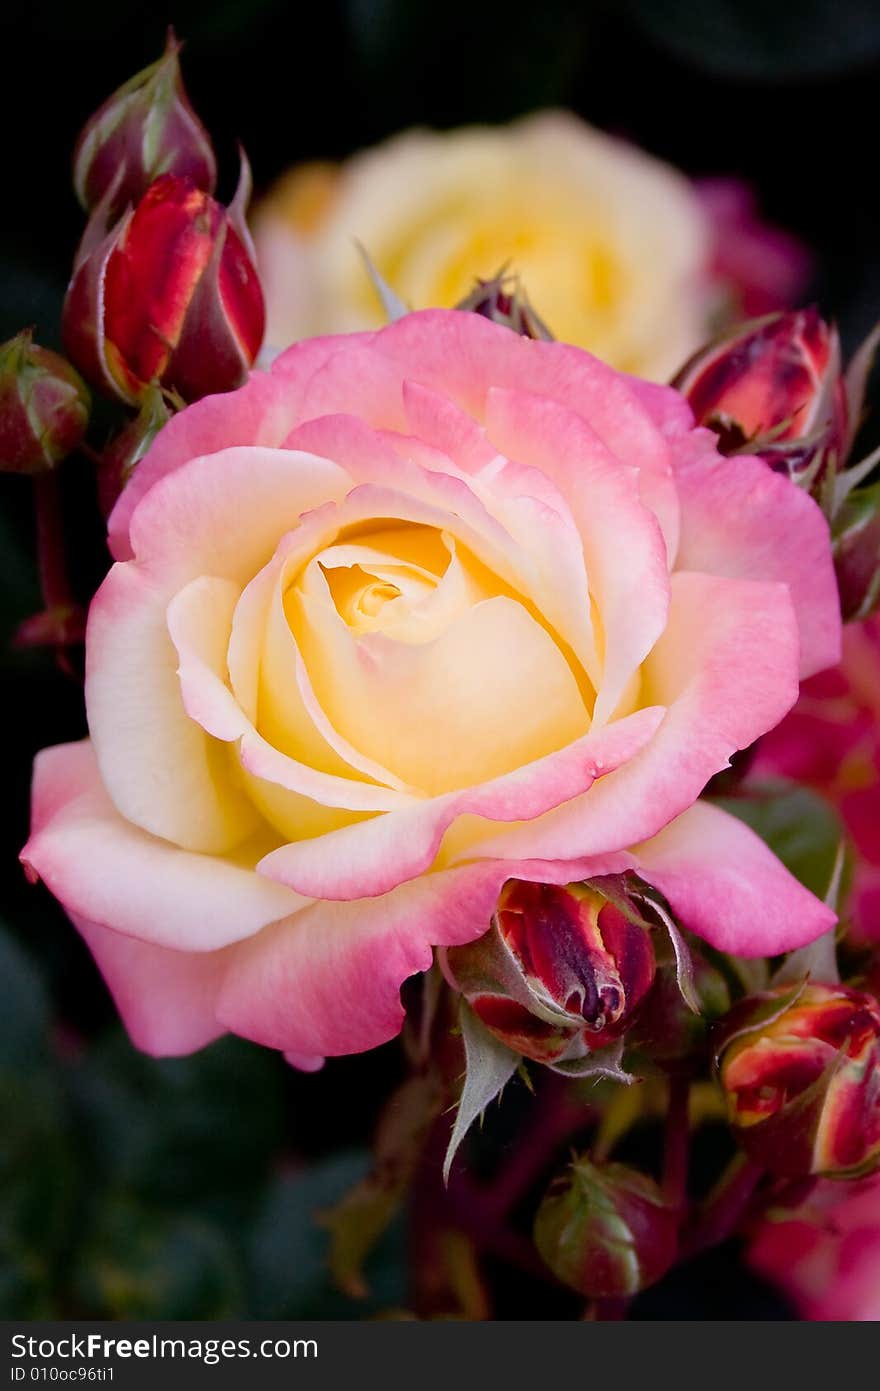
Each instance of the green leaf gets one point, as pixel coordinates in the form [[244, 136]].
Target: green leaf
[[288, 1274], [181, 1130], [40, 1186], [798, 825], [393, 306], [361, 1217], [24, 1007], [754, 39], [604, 1064], [489, 1067], [145, 1264]]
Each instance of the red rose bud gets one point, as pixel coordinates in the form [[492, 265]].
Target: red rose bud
[[169, 296], [774, 388], [124, 453], [605, 1230], [558, 974], [503, 300], [801, 1073], [147, 128], [44, 406], [856, 540]]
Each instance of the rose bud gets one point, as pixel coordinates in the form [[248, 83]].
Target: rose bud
[[503, 300], [125, 451], [147, 128], [558, 974], [801, 1073], [856, 533], [774, 388], [170, 296], [44, 406], [606, 1230]]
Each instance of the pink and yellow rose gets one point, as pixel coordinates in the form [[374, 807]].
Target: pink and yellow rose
[[415, 613], [619, 252]]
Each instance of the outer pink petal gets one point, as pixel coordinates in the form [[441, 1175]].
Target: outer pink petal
[[223, 514], [108, 873], [328, 980], [433, 418], [740, 519], [375, 856], [167, 999], [261, 412], [727, 886], [440, 499], [463, 355], [458, 354], [217, 422]]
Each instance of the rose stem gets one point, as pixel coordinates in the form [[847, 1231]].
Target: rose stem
[[554, 1117], [725, 1206], [606, 1310], [677, 1142], [54, 583]]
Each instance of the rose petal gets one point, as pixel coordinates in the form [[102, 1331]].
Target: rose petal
[[728, 887], [726, 667], [328, 980], [260, 413], [515, 519], [626, 558], [377, 855], [106, 871], [740, 519], [463, 355], [159, 767], [167, 999], [493, 689], [199, 621], [183, 523]]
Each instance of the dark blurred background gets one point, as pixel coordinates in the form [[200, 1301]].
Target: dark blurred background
[[130, 1187]]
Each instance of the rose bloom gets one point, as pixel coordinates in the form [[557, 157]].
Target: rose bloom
[[831, 742], [825, 1256], [414, 613], [618, 251]]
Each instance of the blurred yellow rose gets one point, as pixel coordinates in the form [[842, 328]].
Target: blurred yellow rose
[[613, 246]]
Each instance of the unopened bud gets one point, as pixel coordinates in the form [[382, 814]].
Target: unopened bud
[[801, 1074], [606, 1230], [559, 973], [146, 129], [170, 296], [503, 300], [44, 406], [774, 388]]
